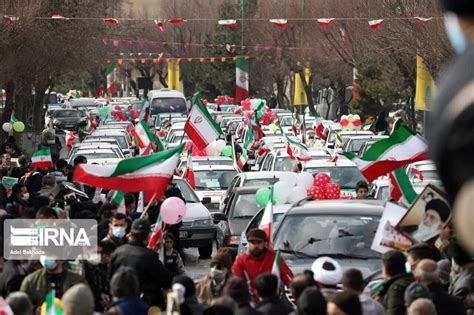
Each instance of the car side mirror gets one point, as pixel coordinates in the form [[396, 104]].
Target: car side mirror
[[206, 200], [218, 216], [226, 200]]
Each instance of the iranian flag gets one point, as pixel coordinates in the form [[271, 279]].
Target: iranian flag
[[146, 150], [241, 79], [119, 201], [200, 126], [144, 111], [402, 147], [144, 173], [155, 239], [276, 268], [189, 172], [9, 182], [325, 22], [281, 23], [228, 22], [142, 134], [42, 159], [416, 173], [70, 137], [51, 307], [375, 23], [266, 223], [296, 150], [248, 144], [110, 73], [401, 189]]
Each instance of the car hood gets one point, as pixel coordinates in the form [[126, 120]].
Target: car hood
[[367, 267], [236, 226], [196, 211]]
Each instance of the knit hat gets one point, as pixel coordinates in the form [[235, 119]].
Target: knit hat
[[348, 302], [79, 300], [416, 291], [237, 289], [256, 235], [461, 7], [327, 271], [440, 207], [223, 257]]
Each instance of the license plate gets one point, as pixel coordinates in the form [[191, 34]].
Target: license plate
[[183, 234]]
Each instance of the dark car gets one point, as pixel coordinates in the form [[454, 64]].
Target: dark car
[[67, 119], [239, 210]]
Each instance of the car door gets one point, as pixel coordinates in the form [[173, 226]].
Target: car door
[[224, 224]]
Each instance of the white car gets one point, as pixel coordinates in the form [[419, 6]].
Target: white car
[[206, 160], [175, 128], [212, 182], [354, 144], [380, 189], [95, 146], [429, 175], [122, 138], [281, 161], [98, 156]]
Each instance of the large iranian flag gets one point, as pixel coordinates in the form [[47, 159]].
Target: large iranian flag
[[200, 126], [241, 79], [144, 173], [111, 76], [403, 147], [401, 188], [42, 159]]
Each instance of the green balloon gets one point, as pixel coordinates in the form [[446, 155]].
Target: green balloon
[[104, 111], [351, 117], [259, 113], [227, 151], [263, 196], [18, 126]]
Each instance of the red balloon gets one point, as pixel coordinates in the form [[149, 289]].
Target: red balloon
[[357, 123], [321, 180], [316, 192], [333, 191], [344, 123], [118, 107], [245, 104]]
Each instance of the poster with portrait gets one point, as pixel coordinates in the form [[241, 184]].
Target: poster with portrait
[[427, 215]]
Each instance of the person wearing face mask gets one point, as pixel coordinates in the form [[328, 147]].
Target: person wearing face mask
[[53, 275], [95, 272], [257, 259], [117, 230], [211, 286], [18, 200]]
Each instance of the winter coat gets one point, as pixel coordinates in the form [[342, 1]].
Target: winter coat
[[393, 293]]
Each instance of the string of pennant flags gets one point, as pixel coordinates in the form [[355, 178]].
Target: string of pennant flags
[[280, 23], [160, 59]]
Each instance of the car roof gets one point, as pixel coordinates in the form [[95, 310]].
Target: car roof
[[98, 145], [108, 132], [86, 150], [352, 206], [264, 174], [341, 162], [214, 168], [99, 139]]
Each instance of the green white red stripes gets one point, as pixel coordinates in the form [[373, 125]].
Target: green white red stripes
[[144, 173], [296, 150], [42, 159], [157, 235], [402, 148], [375, 23], [401, 188], [110, 74], [142, 134], [241, 79], [200, 126], [118, 199], [189, 172], [248, 144], [51, 308], [266, 224], [276, 268]]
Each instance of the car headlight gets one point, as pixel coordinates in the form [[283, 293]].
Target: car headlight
[[234, 240], [56, 122], [205, 222]]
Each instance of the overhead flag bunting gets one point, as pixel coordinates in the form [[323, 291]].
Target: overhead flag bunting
[[423, 20], [111, 21], [281, 23], [375, 23], [325, 22], [177, 21], [57, 16], [228, 22]]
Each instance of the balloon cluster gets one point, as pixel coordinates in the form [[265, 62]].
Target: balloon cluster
[[323, 188], [123, 114], [290, 188], [17, 126], [219, 147], [266, 117], [252, 104], [350, 122], [224, 99]]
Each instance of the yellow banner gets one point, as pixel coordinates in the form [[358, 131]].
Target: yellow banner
[[425, 86], [300, 94], [173, 75]]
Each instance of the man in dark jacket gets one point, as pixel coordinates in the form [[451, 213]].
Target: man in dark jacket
[[463, 283], [152, 275], [396, 281], [270, 303], [426, 273], [237, 289], [11, 277]]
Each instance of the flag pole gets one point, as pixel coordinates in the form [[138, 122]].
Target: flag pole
[[148, 206]]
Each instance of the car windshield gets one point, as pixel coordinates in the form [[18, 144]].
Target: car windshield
[[213, 180], [66, 114], [355, 145], [320, 235], [346, 177], [188, 194], [168, 105], [261, 181], [245, 206], [122, 141], [284, 164], [286, 122]]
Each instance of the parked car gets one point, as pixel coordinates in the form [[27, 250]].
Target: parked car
[[122, 138], [98, 156]]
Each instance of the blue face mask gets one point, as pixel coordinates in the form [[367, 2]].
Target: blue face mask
[[48, 262], [118, 231], [455, 34]]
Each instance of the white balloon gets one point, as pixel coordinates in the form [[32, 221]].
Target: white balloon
[[254, 103], [298, 193], [7, 127], [356, 116], [289, 178], [305, 180], [211, 150], [344, 117], [219, 145], [281, 192]]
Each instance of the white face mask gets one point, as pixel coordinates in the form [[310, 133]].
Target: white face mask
[[94, 259], [455, 34], [118, 231], [217, 274], [26, 196]]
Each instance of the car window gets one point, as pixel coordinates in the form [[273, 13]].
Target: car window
[[213, 180], [122, 141], [284, 164], [346, 177], [245, 206], [227, 162], [320, 235], [98, 155], [188, 194], [66, 114], [355, 145]]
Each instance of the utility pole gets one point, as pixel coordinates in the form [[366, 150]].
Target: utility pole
[[242, 22]]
